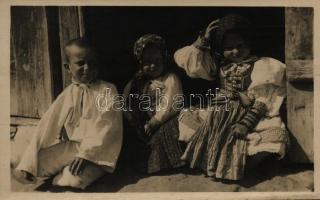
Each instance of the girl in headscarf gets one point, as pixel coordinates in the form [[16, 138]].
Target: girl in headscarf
[[150, 107], [243, 118]]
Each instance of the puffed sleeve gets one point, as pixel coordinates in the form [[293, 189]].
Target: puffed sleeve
[[196, 61], [172, 88], [103, 139], [268, 84]]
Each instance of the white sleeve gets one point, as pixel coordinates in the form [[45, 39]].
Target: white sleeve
[[172, 88], [268, 84], [197, 63]]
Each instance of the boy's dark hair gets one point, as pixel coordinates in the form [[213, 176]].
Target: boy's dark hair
[[82, 43]]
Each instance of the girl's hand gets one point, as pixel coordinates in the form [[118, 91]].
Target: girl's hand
[[240, 131], [157, 84], [151, 126], [147, 129], [210, 28], [77, 166]]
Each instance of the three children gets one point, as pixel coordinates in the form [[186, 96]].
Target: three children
[[254, 87]]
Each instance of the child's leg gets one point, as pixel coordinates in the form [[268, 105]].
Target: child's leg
[[29, 160], [47, 162], [56, 159], [90, 174], [51, 160]]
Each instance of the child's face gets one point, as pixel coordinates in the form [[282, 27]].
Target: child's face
[[82, 64], [152, 61], [235, 48]]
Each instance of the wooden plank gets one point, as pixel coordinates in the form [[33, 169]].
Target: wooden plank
[[299, 70], [299, 61], [300, 122], [71, 26], [299, 33], [23, 121], [31, 88], [52, 13]]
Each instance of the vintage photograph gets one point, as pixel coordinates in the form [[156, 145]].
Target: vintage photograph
[[161, 99]]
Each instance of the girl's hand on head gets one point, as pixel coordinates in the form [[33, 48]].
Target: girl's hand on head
[[211, 28]]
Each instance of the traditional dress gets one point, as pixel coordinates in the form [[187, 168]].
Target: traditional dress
[[161, 150], [94, 130], [261, 91]]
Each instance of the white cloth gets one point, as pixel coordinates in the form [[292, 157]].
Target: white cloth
[[197, 63], [62, 154], [268, 84], [169, 87], [99, 131]]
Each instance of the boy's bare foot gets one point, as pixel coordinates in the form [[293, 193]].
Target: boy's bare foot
[[24, 177]]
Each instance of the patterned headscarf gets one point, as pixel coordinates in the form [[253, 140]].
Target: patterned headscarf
[[231, 22], [147, 39]]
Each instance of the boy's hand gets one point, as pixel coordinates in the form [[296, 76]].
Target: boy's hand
[[77, 166], [239, 131]]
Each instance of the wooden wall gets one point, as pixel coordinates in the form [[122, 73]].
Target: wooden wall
[[31, 74], [299, 61], [37, 72], [71, 26]]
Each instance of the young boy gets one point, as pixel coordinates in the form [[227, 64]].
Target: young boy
[[89, 138]]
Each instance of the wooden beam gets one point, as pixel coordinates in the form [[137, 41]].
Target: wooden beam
[[300, 122], [299, 33], [299, 61], [299, 70], [71, 26], [23, 121]]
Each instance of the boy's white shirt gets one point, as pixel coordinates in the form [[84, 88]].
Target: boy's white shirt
[[99, 131]]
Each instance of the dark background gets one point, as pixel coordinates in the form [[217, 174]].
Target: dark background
[[115, 29]]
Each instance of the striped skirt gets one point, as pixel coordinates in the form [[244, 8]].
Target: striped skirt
[[213, 148]]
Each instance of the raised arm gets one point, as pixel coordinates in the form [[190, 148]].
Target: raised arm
[[196, 59]]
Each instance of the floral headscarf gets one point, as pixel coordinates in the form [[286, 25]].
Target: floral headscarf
[[147, 39]]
